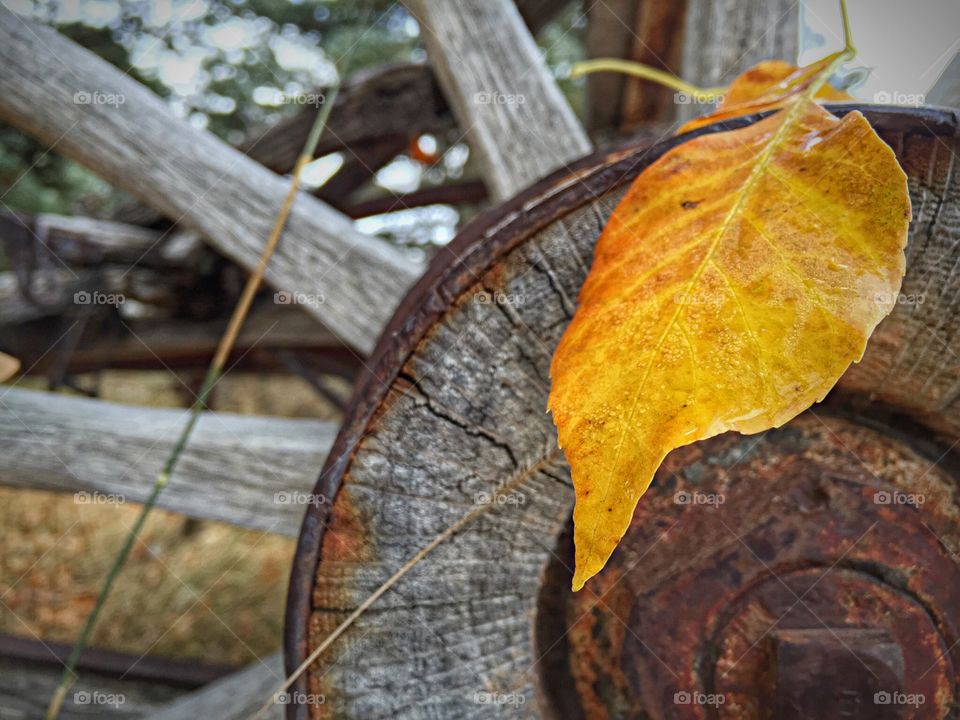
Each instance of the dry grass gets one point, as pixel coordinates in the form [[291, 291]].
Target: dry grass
[[192, 589]]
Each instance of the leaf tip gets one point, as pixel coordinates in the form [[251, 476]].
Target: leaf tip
[[579, 580], [586, 566]]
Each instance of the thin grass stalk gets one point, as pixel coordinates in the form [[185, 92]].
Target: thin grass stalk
[[214, 372]]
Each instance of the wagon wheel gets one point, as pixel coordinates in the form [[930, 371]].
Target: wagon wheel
[[779, 575]]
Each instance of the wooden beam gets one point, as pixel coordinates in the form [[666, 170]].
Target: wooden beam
[[26, 688], [517, 121], [82, 239], [235, 697], [391, 100], [722, 39], [246, 470], [172, 672], [86, 109], [178, 343], [53, 289]]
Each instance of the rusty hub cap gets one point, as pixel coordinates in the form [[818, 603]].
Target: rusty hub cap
[[807, 573]]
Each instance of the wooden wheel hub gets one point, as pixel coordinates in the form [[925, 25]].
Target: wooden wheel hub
[[800, 587], [782, 576]]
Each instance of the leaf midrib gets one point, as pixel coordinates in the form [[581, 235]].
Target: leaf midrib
[[789, 119]]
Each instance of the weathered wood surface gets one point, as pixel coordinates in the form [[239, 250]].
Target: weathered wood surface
[[26, 689], [53, 289], [86, 109], [246, 470], [456, 408], [111, 685], [236, 697], [81, 239], [394, 100], [517, 121], [722, 38], [176, 343], [649, 32]]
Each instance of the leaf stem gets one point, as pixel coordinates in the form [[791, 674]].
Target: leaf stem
[[848, 45], [645, 72], [848, 53], [214, 372]]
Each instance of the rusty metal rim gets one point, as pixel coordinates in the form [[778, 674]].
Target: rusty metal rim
[[457, 267]]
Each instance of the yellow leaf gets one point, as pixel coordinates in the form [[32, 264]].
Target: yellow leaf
[[768, 86], [736, 281]]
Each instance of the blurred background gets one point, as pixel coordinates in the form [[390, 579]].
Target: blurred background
[[200, 591]]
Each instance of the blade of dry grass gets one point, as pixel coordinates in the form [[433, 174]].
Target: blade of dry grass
[[210, 380]]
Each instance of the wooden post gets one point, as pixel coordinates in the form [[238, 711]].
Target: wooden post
[[517, 122], [649, 32], [721, 39]]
